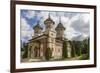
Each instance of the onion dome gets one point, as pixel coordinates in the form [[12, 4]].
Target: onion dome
[[49, 20]]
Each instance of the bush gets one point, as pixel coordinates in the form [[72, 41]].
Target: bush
[[84, 57]]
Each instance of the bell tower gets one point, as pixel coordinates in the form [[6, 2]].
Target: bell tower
[[49, 24], [60, 30]]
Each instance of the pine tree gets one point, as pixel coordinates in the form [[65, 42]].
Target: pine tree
[[48, 54], [73, 51], [64, 50], [25, 48]]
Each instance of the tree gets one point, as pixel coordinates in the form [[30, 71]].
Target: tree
[[86, 47], [22, 49], [48, 54], [25, 48], [64, 50], [73, 51], [78, 47]]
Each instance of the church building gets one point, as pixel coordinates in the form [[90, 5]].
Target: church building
[[49, 38]]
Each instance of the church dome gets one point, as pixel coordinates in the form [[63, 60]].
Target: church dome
[[37, 26], [49, 20]]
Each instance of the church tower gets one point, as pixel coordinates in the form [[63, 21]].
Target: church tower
[[60, 30], [49, 24], [37, 29]]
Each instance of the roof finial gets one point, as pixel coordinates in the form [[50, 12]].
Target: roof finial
[[59, 19], [49, 15]]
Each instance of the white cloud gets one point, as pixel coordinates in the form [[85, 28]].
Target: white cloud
[[30, 14], [60, 13], [26, 30], [76, 24], [80, 23], [85, 17]]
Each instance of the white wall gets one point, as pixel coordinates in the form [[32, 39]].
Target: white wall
[[5, 36]]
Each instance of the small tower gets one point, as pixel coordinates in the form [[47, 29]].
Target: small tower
[[37, 29], [49, 23], [60, 30]]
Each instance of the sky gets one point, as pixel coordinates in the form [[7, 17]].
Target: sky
[[76, 23]]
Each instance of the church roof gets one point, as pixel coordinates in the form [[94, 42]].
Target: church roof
[[60, 26], [38, 37], [37, 26]]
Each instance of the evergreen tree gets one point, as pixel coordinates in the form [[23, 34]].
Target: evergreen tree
[[78, 47], [88, 46], [25, 48], [64, 50], [48, 54], [73, 51]]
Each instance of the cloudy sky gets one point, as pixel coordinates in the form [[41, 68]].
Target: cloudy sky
[[76, 23]]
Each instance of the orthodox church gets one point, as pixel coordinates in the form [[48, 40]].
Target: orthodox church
[[50, 38]]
